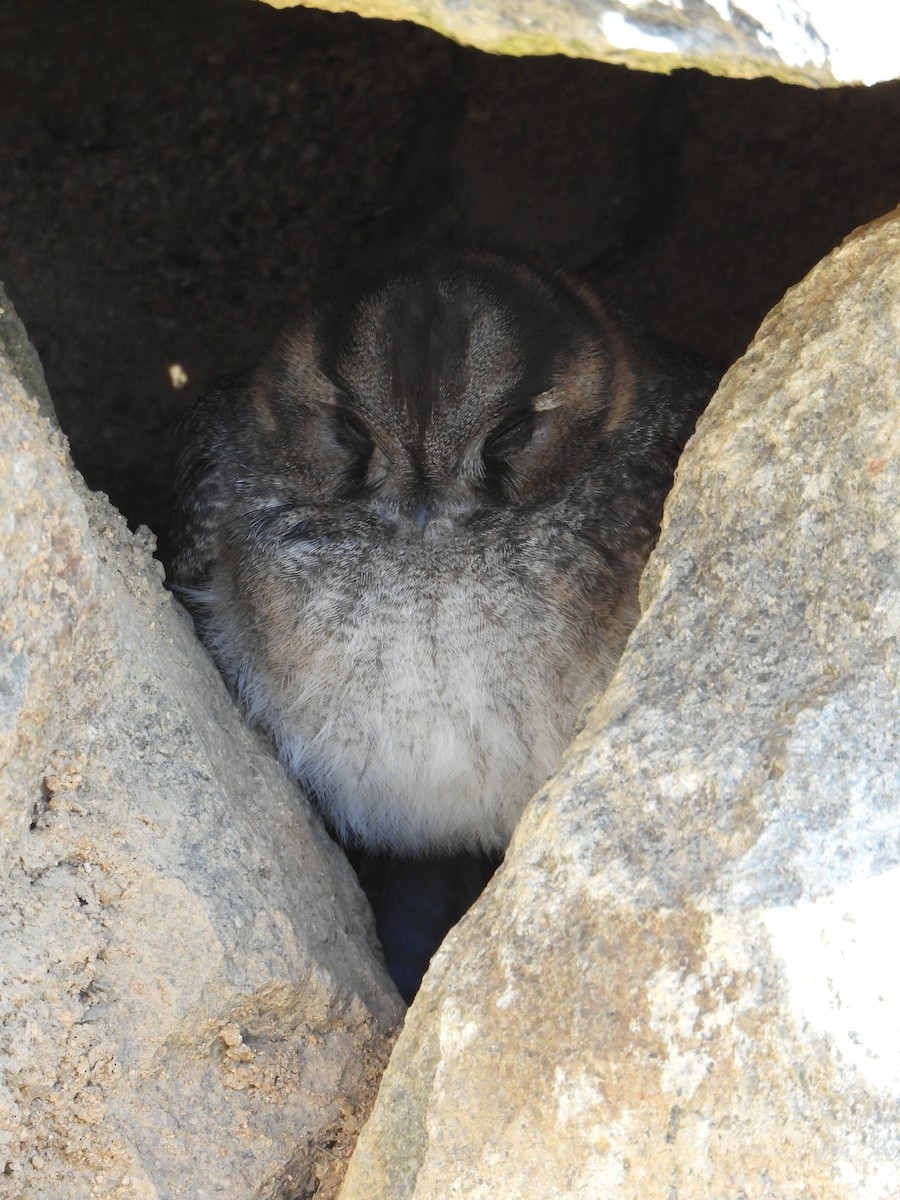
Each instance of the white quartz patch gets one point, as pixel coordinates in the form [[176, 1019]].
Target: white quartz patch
[[862, 38], [787, 28], [840, 959], [856, 42], [618, 31]]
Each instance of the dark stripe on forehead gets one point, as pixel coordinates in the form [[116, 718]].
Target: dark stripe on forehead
[[427, 331]]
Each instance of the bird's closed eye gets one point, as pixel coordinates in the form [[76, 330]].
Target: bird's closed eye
[[511, 435], [351, 433]]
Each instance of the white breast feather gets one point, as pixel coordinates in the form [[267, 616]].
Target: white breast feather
[[421, 723]]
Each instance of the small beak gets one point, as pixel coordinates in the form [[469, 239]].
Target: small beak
[[422, 515]]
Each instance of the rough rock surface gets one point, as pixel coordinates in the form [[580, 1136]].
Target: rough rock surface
[[684, 979], [189, 1006], [814, 42]]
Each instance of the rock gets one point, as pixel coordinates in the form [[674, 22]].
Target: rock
[[684, 980], [816, 42], [189, 1004]]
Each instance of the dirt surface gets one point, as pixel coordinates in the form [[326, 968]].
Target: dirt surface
[[173, 175]]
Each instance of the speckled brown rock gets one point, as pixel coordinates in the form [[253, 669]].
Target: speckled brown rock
[[684, 980], [189, 1005]]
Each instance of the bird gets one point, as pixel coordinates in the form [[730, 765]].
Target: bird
[[412, 535]]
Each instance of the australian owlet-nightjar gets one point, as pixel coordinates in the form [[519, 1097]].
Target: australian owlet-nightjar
[[413, 534]]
